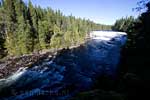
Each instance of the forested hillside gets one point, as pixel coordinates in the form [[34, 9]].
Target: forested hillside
[[25, 28]]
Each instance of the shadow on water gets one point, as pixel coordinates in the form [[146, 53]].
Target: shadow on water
[[64, 74]]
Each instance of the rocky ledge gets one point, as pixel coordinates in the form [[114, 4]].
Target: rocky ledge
[[9, 66]]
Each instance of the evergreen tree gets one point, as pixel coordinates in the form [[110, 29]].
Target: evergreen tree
[[10, 18]]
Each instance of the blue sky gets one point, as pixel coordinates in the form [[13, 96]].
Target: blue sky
[[99, 11]]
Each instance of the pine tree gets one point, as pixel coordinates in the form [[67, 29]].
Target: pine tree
[[31, 31], [21, 36], [9, 6]]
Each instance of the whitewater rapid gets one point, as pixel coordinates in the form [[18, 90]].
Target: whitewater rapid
[[69, 72]]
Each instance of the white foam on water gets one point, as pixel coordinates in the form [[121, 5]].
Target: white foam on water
[[11, 79], [105, 35]]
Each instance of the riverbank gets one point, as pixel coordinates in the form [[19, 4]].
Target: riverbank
[[10, 65]]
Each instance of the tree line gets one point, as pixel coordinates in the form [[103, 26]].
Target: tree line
[[25, 28], [137, 29]]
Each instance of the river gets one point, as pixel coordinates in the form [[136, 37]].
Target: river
[[68, 72]]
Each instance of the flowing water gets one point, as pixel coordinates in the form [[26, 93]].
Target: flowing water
[[67, 73]]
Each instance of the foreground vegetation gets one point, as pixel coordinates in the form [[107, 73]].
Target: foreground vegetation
[[25, 28]]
